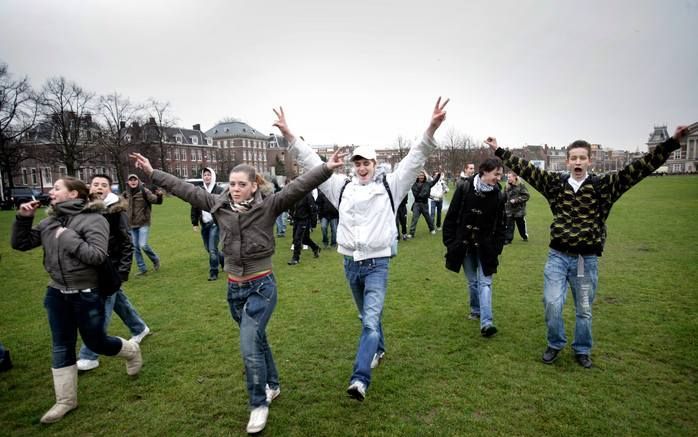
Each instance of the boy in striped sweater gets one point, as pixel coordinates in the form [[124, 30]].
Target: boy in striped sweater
[[580, 203]]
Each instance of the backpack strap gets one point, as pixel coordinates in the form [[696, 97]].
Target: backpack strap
[[385, 184]]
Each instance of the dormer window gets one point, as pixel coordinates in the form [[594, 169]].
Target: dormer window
[[194, 139]]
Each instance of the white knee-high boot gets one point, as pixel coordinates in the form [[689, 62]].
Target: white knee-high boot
[[65, 384], [131, 351]]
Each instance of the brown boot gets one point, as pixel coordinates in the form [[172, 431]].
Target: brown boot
[[132, 352], [65, 384]]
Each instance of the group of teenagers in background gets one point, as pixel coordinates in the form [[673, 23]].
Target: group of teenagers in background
[[88, 225]]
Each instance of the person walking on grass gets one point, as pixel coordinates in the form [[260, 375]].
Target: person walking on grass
[[366, 232], [580, 202], [420, 190], [517, 196], [140, 201], [5, 359], [329, 217], [304, 215], [75, 239], [436, 200], [473, 234], [120, 252], [209, 228], [246, 214]]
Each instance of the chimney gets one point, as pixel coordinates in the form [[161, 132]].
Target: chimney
[[197, 127], [134, 124], [151, 120], [122, 124]]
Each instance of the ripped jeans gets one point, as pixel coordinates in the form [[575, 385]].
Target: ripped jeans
[[251, 305], [562, 269]]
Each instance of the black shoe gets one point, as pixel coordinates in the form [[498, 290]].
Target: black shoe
[[583, 360], [316, 252], [488, 331], [5, 362], [550, 355], [212, 277], [293, 262]]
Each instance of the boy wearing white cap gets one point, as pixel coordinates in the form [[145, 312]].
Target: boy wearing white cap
[[366, 231]]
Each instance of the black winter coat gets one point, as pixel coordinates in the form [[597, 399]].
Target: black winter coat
[[195, 212], [474, 222]]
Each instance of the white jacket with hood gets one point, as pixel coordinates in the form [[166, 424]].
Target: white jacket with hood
[[366, 226]]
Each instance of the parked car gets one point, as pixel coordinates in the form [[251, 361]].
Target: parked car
[[19, 195], [196, 181]]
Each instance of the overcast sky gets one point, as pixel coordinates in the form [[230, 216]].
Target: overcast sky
[[364, 72]]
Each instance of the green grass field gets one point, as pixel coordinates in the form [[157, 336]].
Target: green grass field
[[439, 377]]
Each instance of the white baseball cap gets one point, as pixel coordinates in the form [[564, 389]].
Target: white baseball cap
[[366, 152]]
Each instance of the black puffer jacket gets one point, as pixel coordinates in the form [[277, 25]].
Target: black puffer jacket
[[421, 190], [72, 258], [120, 244], [475, 222]]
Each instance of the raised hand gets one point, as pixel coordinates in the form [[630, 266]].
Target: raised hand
[[28, 209], [337, 158], [680, 133], [282, 125], [492, 142], [142, 162], [437, 117]]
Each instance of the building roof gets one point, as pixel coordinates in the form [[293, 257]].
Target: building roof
[[235, 128], [659, 135]]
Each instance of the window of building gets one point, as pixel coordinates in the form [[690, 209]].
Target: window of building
[[35, 180], [47, 176], [195, 170], [199, 155], [184, 172], [62, 171], [676, 168], [178, 139], [25, 176], [194, 139], [176, 151]]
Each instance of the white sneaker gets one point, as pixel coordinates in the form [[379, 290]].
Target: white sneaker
[[258, 419], [433, 232], [272, 393], [138, 338], [86, 365], [357, 390], [377, 357]]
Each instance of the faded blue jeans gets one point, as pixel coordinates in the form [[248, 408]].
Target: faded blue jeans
[[332, 224], [562, 269], [139, 237], [368, 280], [281, 224], [117, 303], [251, 305], [210, 235], [480, 288], [70, 313]]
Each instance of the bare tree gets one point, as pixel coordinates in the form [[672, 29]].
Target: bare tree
[[67, 108], [160, 120], [402, 147], [18, 111], [118, 115]]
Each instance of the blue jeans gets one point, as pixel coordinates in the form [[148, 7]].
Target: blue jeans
[[562, 269], [418, 209], [251, 305], [435, 207], [281, 224], [332, 223], [70, 313], [480, 287], [209, 235], [368, 280], [139, 236], [117, 303]]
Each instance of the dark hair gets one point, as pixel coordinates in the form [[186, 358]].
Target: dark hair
[[489, 164], [75, 184], [206, 170], [252, 174], [579, 144], [101, 175]]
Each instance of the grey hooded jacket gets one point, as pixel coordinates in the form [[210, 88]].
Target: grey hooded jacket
[[72, 258]]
